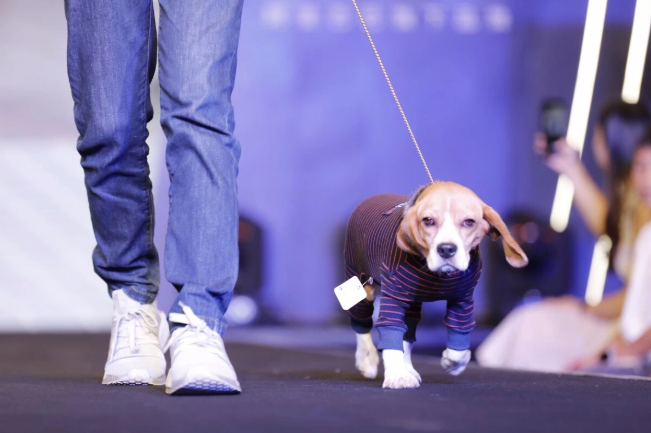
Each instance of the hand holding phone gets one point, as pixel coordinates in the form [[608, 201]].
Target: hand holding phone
[[553, 121], [563, 160]]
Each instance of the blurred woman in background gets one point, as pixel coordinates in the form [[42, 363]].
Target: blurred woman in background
[[551, 335], [629, 350]]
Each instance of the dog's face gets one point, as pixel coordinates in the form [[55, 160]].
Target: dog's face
[[444, 221]]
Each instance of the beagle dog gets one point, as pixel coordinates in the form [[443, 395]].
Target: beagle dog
[[414, 250]]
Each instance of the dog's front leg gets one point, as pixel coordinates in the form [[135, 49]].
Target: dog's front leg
[[407, 346], [366, 356], [396, 372]]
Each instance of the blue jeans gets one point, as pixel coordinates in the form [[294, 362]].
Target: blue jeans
[[112, 51]]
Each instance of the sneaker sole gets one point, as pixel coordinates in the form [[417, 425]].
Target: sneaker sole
[[133, 380], [158, 382], [199, 389], [204, 387]]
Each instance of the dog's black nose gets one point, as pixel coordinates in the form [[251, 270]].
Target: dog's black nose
[[447, 250]]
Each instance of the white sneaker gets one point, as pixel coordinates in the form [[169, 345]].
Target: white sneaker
[[135, 356], [200, 364]]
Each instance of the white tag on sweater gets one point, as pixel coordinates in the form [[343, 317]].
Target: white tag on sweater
[[350, 293]]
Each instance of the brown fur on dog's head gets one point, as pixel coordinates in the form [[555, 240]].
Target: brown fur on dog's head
[[448, 215]]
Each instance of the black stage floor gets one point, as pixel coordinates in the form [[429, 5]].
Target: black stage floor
[[51, 383]]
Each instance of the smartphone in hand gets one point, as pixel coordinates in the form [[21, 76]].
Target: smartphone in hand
[[554, 118]]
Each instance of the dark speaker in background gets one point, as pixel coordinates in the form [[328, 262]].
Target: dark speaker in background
[[245, 308], [548, 272], [249, 278]]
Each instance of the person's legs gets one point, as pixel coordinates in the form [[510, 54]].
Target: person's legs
[[111, 61], [198, 57]]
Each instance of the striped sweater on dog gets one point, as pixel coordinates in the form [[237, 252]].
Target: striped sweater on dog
[[406, 282]]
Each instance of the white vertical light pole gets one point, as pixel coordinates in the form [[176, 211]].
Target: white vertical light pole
[[581, 103], [594, 290], [637, 53]]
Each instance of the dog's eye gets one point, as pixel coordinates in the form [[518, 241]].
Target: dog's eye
[[428, 221], [469, 223]]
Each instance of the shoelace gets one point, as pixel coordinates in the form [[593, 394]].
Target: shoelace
[[195, 332], [130, 319]]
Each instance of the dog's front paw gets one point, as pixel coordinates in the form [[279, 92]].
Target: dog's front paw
[[400, 380], [411, 370], [367, 362], [367, 359], [397, 375], [455, 361]]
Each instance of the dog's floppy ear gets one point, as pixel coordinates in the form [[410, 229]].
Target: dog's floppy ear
[[514, 254], [414, 197], [409, 238]]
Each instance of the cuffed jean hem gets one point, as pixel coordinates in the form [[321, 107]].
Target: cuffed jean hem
[[458, 340], [138, 294], [219, 326], [207, 304], [391, 337]]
